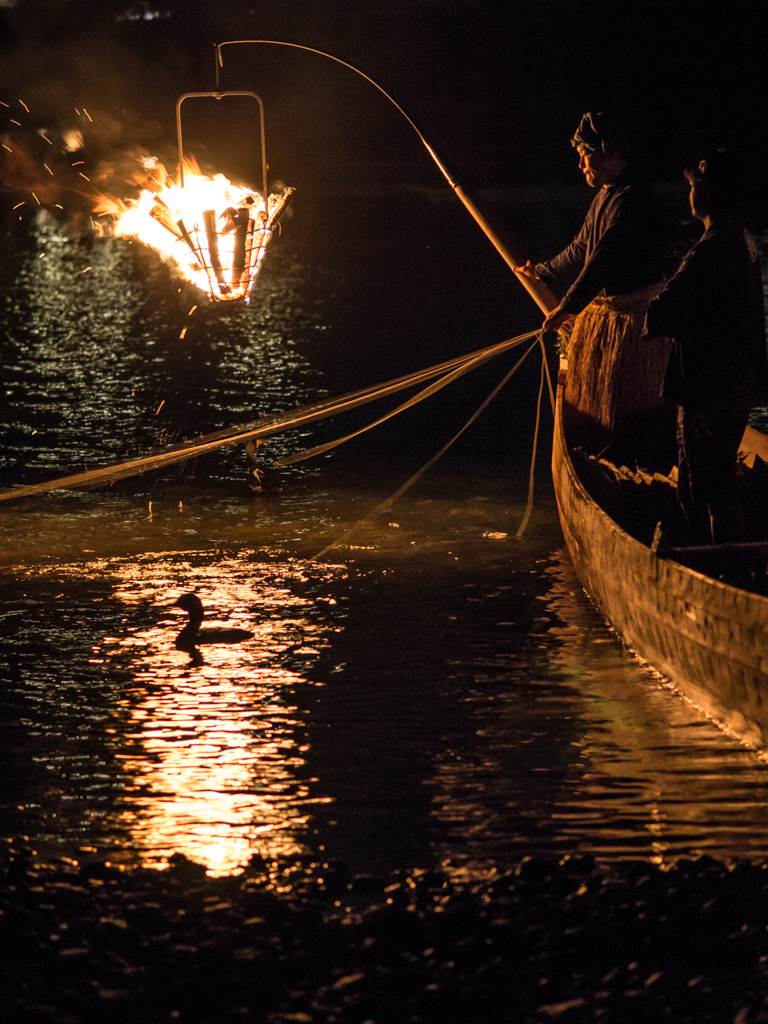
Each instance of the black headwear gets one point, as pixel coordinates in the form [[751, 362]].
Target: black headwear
[[713, 168], [599, 131]]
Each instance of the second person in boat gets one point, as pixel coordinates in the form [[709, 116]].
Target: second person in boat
[[713, 312]]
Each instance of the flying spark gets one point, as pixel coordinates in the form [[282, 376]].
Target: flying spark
[[73, 140]]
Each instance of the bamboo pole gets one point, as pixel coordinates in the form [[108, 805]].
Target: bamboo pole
[[538, 291]]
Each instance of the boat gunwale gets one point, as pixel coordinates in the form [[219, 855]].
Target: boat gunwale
[[658, 556]]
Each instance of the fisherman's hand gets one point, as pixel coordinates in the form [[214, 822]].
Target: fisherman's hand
[[556, 319], [528, 269]]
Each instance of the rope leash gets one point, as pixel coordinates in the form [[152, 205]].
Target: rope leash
[[265, 427], [388, 502], [529, 504], [465, 367]]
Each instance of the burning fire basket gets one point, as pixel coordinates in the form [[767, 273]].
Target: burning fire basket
[[225, 227]]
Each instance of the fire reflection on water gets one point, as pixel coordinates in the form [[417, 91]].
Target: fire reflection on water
[[209, 753], [213, 776]]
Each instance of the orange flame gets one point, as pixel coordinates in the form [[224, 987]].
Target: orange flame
[[213, 232]]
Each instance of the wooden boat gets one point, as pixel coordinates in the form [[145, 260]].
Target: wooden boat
[[708, 638]]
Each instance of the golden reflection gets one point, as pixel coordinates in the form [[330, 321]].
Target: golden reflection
[[213, 748]]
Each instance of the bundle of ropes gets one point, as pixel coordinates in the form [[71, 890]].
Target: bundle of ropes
[[440, 374]]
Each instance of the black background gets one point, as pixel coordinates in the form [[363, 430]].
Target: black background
[[496, 87]]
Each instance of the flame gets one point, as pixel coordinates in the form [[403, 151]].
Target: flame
[[212, 231]]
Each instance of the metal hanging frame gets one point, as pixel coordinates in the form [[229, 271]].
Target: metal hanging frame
[[218, 96]]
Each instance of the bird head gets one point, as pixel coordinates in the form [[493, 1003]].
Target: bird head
[[190, 603]]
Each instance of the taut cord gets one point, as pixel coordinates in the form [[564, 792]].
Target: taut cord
[[529, 504], [465, 367], [266, 427], [428, 465], [546, 370]]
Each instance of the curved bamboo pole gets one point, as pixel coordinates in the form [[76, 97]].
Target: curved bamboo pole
[[538, 291]]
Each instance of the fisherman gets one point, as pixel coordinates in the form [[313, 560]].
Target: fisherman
[[615, 267], [713, 311]]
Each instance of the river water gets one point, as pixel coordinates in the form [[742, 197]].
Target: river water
[[431, 690]]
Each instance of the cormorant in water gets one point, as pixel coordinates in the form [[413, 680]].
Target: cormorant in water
[[193, 636], [262, 479]]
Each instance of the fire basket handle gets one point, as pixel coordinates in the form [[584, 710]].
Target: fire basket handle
[[220, 95]]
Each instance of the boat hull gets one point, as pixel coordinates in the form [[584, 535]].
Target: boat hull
[[709, 639]]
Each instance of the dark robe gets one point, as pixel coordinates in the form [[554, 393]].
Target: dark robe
[[717, 370], [713, 311], [619, 250]]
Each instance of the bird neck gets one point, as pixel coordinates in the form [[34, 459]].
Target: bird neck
[[195, 618]]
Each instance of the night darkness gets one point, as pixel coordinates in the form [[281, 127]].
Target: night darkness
[[450, 667], [496, 87]]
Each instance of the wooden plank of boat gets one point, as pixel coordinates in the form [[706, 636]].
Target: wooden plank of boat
[[709, 639]]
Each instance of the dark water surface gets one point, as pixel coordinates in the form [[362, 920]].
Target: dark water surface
[[432, 690]]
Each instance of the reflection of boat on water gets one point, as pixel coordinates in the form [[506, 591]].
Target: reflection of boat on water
[[564, 718], [656, 777], [709, 638]]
